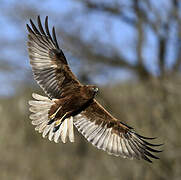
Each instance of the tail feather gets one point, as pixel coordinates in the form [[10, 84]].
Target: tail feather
[[71, 129], [64, 132], [51, 133], [38, 121], [40, 107], [39, 115], [40, 98]]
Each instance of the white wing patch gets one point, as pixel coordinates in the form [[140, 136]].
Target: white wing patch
[[101, 137], [39, 108]]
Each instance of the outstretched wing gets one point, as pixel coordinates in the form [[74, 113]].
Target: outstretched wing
[[107, 133], [49, 65]]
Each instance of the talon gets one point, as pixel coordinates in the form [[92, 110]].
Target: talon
[[58, 122], [50, 122], [53, 115], [56, 128]]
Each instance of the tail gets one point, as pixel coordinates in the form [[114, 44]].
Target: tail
[[40, 108]]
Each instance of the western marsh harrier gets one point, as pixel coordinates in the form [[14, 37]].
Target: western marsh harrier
[[70, 103]]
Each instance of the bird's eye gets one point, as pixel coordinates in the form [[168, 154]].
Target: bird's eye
[[95, 89]]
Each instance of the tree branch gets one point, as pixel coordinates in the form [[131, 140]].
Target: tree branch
[[176, 10], [85, 51], [116, 11]]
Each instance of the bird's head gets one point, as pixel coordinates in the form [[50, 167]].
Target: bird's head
[[92, 90]]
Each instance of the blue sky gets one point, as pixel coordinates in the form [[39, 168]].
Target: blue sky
[[121, 36]]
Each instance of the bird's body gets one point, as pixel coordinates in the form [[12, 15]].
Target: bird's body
[[72, 103], [69, 103]]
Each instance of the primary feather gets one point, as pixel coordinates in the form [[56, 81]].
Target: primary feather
[[69, 102]]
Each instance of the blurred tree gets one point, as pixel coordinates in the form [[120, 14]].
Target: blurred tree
[[91, 31], [146, 16], [104, 38]]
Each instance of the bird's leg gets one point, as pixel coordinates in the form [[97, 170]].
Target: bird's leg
[[59, 122], [52, 117]]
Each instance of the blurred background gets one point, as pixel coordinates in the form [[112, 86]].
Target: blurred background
[[130, 49]]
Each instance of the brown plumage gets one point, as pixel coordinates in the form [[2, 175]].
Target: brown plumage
[[71, 103]]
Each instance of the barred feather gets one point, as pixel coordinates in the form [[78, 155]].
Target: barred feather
[[40, 108], [129, 145]]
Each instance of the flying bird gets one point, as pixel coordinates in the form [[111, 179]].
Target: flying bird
[[69, 103]]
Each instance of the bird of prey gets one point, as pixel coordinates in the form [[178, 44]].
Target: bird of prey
[[69, 103]]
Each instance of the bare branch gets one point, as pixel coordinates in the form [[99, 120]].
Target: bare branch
[[140, 32], [85, 51], [113, 10], [175, 12]]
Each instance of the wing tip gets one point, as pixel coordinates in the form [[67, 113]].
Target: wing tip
[[130, 144], [146, 147]]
